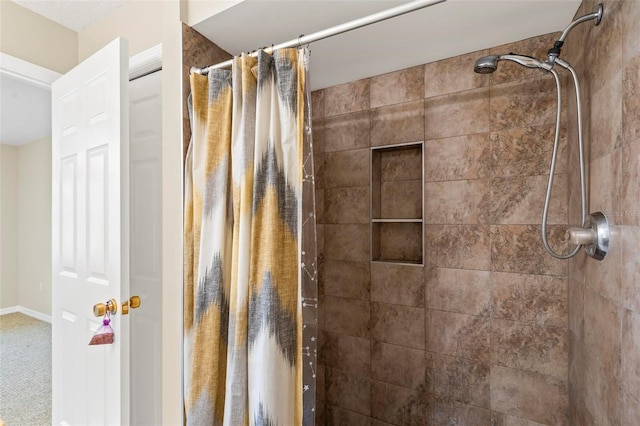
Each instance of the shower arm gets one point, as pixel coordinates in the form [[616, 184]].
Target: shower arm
[[554, 52]]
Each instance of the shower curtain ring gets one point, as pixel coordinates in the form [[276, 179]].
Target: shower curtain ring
[[299, 37]]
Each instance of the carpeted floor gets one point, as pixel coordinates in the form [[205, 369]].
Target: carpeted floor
[[25, 371]]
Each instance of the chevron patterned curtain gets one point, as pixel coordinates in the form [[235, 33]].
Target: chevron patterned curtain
[[250, 293]]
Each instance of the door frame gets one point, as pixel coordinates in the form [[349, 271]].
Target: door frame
[[139, 65], [27, 72]]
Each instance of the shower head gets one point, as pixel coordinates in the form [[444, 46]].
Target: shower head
[[488, 64]]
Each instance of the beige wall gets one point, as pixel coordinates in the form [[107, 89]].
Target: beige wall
[[140, 22], [604, 297], [479, 334], [33, 38], [8, 226], [34, 226], [173, 12]]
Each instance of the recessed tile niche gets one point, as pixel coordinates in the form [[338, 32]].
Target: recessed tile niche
[[397, 188]]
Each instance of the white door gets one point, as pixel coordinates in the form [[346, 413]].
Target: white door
[[146, 248], [90, 238]]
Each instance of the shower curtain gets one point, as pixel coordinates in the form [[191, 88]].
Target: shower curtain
[[250, 272]]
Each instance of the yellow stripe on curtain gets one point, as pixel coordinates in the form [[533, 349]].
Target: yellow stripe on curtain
[[246, 270]]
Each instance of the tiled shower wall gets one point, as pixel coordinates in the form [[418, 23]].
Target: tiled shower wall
[[478, 336], [604, 297]]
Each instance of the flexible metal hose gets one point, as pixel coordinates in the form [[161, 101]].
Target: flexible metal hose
[[583, 191]]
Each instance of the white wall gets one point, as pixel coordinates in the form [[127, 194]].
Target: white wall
[[8, 226], [34, 226], [199, 10]]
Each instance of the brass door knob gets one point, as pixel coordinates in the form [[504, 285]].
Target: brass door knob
[[99, 309], [133, 303]]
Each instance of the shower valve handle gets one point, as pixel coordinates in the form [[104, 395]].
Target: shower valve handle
[[594, 237]]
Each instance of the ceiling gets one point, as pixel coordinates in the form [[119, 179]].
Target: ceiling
[[73, 14], [437, 32], [25, 111]]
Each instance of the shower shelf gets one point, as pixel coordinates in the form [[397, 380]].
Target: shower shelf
[[397, 188]]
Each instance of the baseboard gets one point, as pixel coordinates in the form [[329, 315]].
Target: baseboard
[[30, 312], [10, 310]]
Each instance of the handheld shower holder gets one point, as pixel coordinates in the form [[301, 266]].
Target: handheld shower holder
[[594, 236]]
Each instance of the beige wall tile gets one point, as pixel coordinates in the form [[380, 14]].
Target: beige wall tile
[[541, 299], [631, 353], [317, 104], [346, 98], [606, 134], [346, 279], [397, 284], [401, 199], [576, 301], [401, 165], [340, 391], [501, 419], [346, 205], [528, 395], [520, 200], [602, 331], [443, 412], [398, 365], [457, 158], [397, 405], [346, 353], [458, 246], [630, 410], [346, 242], [518, 248], [459, 290], [401, 242], [457, 202], [630, 267], [462, 113], [630, 183], [317, 135], [460, 335], [458, 379], [347, 131], [399, 325], [604, 57], [346, 168], [631, 100], [397, 87], [529, 346], [453, 75], [530, 102], [602, 391], [397, 123], [535, 46], [341, 417], [347, 316], [630, 30], [526, 151]]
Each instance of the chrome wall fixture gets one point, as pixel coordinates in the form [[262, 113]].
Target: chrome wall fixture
[[594, 234]]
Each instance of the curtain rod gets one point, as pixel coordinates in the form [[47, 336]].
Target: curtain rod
[[335, 30]]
